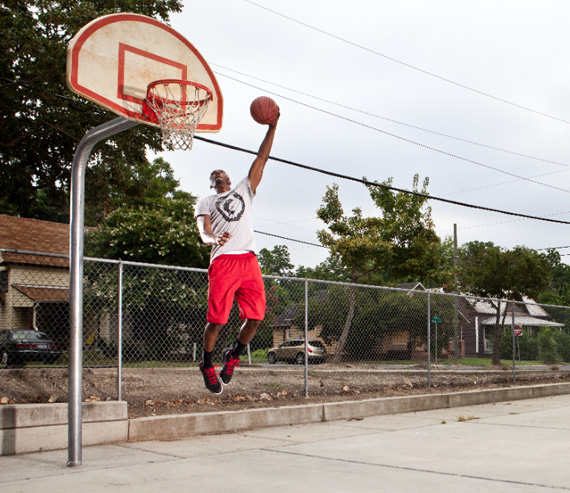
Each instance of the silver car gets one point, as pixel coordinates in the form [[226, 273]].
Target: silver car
[[294, 352]]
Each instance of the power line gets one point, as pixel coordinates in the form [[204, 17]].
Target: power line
[[379, 185], [391, 120], [552, 248], [399, 137], [408, 65], [290, 239]]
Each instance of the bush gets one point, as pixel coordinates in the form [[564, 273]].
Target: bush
[[259, 356], [527, 346], [562, 340], [547, 345]]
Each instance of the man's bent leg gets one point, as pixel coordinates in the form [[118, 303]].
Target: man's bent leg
[[247, 331], [211, 333]]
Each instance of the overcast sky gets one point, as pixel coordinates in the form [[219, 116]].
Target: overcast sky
[[494, 75]]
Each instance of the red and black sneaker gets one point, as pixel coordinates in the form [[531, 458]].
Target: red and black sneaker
[[229, 365], [211, 379]]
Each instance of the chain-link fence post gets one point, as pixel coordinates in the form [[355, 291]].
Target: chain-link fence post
[[514, 343], [120, 332], [306, 338], [429, 338]]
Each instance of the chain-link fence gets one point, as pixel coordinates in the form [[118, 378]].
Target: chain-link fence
[[140, 315]]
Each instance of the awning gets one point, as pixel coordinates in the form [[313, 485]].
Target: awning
[[44, 293], [524, 321]]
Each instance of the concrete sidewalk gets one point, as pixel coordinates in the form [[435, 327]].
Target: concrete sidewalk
[[518, 446]]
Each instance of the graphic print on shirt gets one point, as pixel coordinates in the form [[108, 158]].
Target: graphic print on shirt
[[231, 207]]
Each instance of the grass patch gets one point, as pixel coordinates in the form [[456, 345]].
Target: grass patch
[[484, 362]]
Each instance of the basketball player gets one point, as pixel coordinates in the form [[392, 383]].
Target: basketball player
[[225, 222]]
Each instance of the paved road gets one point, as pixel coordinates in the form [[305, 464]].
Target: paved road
[[521, 446]]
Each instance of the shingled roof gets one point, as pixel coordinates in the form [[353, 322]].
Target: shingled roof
[[32, 235]]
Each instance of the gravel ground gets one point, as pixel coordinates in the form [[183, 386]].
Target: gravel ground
[[159, 391]]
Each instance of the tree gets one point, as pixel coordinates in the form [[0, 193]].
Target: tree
[[558, 291], [275, 262], [42, 122], [158, 227], [408, 228], [331, 269], [397, 245], [489, 271]]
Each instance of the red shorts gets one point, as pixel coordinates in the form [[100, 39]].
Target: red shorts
[[236, 276]]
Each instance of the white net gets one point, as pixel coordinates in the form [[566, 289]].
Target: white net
[[177, 106]]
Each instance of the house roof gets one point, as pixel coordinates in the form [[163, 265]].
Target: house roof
[[287, 317], [417, 286], [534, 309], [33, 235], [31, 259], [524, 321]]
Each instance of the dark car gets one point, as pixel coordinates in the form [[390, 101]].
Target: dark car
[[19, 346], [294, 352]]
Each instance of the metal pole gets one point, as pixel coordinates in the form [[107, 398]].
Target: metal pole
[[77, 216], [120, 334], [456, 300], [513, 335], [429, 337], [306, 337]]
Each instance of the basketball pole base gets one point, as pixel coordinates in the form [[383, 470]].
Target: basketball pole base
[[77, 216]]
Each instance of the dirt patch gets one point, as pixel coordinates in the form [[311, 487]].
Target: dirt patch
[[160, 391]]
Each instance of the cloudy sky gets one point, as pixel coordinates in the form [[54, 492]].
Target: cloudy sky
[[473, 95]]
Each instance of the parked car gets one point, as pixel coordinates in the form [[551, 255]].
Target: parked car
[[294, 352], [19, 346]]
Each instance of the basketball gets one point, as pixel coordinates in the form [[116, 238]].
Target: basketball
[[264, 110]]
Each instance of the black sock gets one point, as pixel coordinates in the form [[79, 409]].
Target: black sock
[[207, 359], [237, 349]]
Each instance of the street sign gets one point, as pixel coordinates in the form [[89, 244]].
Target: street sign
[[435, 319], [518, 330]]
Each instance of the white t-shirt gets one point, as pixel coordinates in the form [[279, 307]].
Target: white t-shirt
[[231, 212]]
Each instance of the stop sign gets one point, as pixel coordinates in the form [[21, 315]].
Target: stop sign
[[518, 330]]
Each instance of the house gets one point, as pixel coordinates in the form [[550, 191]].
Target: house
[[284, 328], [477, 320], [395, 344], [34, 276]]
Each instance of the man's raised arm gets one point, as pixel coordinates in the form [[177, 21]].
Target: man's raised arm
[[256, 170]]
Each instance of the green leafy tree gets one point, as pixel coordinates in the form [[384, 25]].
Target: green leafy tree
[[407, 227], [397, 245], [331, 269], [276, 262], [489, 271], [42, 121], [158, 227]]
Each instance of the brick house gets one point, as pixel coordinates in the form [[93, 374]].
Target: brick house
[[34, 276]]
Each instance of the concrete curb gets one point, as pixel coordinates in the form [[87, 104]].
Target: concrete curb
[[26, 428], [187, 425]]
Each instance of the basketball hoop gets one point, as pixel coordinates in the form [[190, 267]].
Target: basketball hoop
[[177, 106]]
